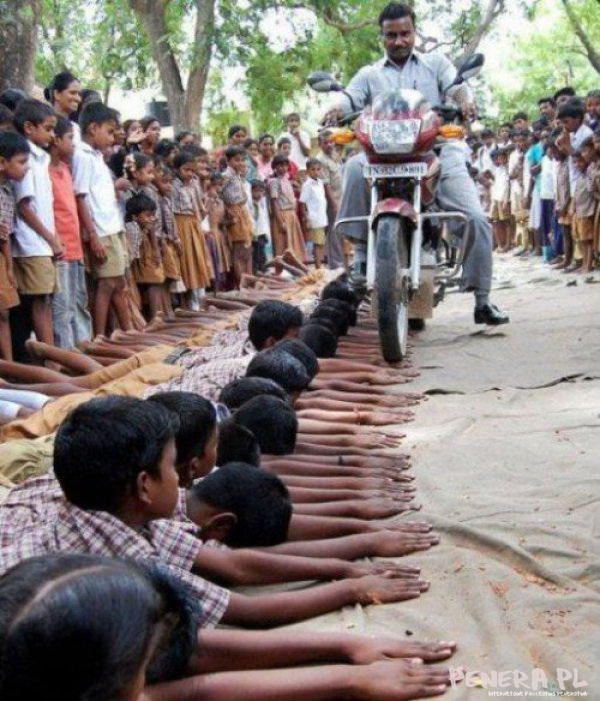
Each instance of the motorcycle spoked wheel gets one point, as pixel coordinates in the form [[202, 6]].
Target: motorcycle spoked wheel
[[392, 285]]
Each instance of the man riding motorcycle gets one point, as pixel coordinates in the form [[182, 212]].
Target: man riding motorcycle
[[433, 76]]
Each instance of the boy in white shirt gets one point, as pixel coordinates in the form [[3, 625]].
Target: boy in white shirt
[[314, 209], [35, 242], [501, 201], [99, 214], [300, 141]]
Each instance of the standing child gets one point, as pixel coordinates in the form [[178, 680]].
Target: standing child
[[287, 232], [140, 222], [216, 219], [299, 139], [196, 269], [562, 207], [99, 214], [171, 253], [261, 238], [147, 270], [238, 224], [35, 241], [14, 162], [501, 201], [583, 213], [72, 320], [592, 158], [314, 209]]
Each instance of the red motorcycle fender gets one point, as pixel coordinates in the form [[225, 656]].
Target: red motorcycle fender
[[397, 206]]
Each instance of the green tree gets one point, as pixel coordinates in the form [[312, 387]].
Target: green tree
[[19, 27]]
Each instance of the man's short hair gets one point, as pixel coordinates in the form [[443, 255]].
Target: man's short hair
[[32, 111], [573, 109], [520, 115], [96, 113], [544, 100], [280, 366], [103, 445], [243, 389], [567, 91], [237, 444], [273, 423], [12, 144], [272, 318], [397, 10], [259, 499]]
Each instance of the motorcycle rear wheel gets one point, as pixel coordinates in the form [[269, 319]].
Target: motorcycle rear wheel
[[392, 285]]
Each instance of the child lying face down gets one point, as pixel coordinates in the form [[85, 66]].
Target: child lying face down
[[143, 642]]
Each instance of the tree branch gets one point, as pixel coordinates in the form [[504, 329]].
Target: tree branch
[[493, 8], [592, 55]]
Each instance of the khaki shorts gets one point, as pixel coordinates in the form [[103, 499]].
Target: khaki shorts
[[9, 296], [500, 211], [115, 262], [583, 228], [35, 275], [317, 236]]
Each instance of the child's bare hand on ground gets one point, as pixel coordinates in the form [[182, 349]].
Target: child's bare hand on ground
[[387, 588], [391, 544], [369, 568], [401, 680], [382, 508], [365, 650]]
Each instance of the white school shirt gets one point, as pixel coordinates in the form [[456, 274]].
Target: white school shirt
[[577, 138], [313, 196], [296, 155], [262, 220], [36, 186], [93, 178], [547, 178], [501, 187]]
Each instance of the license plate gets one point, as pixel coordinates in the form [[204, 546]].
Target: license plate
[[395, 170]]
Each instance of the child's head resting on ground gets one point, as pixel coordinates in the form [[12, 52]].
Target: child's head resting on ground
[[117, 454], [323, 323], [273, 423], [106, 627], [338, 289], [283, 368], [237, 444], [242, 506], [301, 352], [272, 321], [339, 319], [320, 340], [198, 435], [342, 306], [243, 389]]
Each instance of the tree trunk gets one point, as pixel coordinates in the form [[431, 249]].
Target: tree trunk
[[492, 9], [591, 53], [185, 104], [19, 23]]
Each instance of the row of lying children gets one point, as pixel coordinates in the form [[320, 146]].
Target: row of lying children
[[142, 626]]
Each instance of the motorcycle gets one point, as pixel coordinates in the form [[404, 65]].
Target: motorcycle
[[399, 134]]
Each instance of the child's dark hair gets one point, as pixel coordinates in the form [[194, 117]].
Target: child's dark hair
[[292, 115], [301, 352], [145, 122], [259, 500], [243, 389], [273, 423], [196, 151], [103, 445], [165, 148], [258, 185], [237, 444], [234, 151], [181, 135], [197, 422], [97, 620], [338, 318], [280, 160], [7, 116], [326, 324], [544, 100], [520, 115], [264, 136], [321, 341], [311, 162], [235, 129], [96, 113], [272, 319], [11, 97], [397, 10], [338, 289], [573, 109], [250, 142], [567, 91], [63, 127], [182, 158], [284, 140], [12, 144], [140, 161], [32, 111], [342, 306], [60, 82], [137, 204], [281, 367]]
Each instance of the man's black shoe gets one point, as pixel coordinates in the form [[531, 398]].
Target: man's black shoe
[[490, 315]]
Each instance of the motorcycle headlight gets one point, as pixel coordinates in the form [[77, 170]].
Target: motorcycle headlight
[[394, 136]]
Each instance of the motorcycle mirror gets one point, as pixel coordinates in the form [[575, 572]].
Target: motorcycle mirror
[[321, 81], [470, 68]]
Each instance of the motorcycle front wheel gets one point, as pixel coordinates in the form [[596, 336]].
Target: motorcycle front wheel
[[392, 285]]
